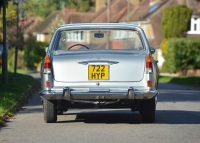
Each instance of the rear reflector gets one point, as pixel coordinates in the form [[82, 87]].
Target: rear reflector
[[149, 83], [48, 84]]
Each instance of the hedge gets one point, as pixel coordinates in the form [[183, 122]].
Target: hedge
[[34, 52], [183, 54], [176, 21]]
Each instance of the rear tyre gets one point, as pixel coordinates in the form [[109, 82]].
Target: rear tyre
[[50, 111], [148, 108]]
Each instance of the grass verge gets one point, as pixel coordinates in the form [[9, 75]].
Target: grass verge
[[182, 80], [16, 91]]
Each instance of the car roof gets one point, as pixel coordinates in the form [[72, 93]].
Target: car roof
[[100, 25]]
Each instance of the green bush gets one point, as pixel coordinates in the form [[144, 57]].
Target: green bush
[[183, 54], [164, 47], [164, 68], [176, 21], [11, 59], [34, 52]]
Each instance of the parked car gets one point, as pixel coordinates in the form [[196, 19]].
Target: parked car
[[105, 65]]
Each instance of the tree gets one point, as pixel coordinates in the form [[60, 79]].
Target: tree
[[4, 53], [1, 4], [42, 8], [85, 5], [45, 7], [175, 21], [10, 20]]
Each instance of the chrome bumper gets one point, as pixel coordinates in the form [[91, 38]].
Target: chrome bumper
[[96, 94]]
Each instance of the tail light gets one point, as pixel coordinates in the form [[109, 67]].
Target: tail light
[[149, 70], [148, 64], [47, 64]]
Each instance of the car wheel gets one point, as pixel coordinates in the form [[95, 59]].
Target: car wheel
[[50, 111], [148, 108]]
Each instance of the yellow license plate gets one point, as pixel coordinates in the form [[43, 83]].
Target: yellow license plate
[[98, 72]]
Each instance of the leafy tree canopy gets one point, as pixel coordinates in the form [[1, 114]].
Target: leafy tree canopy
[[10, 18], [45, 7]]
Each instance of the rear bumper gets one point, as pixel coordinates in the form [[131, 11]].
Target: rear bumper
[[100, 94]]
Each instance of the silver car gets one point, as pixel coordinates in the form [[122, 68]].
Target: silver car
[[104, 65]]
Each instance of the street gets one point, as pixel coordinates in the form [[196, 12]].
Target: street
[[177, 120]]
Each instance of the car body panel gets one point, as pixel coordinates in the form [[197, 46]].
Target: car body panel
[[76, 65]]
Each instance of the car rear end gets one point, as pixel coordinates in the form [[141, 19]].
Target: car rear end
[[109, 65]]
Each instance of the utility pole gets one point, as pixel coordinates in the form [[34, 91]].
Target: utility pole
[[128, 10], [108, 11], [108, 20], [16, 47], [5, 50]]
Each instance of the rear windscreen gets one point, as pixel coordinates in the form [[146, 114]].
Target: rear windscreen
[[99, 39]]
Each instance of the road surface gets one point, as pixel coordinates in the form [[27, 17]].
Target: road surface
[[177, 121]]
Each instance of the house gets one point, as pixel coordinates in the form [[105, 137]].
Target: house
[[148, 15], [69, 16], [29, 25], [145, 13], [26, 26], [112, 12], [44, 32], [194, 31], [57, 18]]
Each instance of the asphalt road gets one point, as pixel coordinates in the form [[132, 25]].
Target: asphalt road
[[177, 121]]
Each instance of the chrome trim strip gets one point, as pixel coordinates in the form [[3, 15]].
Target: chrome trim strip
[[98, 61]]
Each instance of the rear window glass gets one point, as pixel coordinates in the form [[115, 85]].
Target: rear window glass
[[99, 40]]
